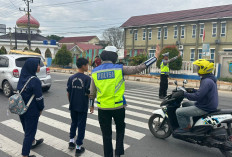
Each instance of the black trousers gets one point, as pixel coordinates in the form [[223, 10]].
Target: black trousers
[[78, 121], [29, 124], [105, 120], [163, 85]]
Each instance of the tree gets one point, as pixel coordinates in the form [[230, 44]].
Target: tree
[[63, 56], [26, 49], [37, 50], [3, 50], [54, 37], [48, 53], [173, 52], [115, 37], [136, 60]]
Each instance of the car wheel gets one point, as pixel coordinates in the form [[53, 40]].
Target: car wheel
[[7, 89], [45, 89]]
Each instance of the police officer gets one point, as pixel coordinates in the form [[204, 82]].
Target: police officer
[[164, 67], [109, 86]]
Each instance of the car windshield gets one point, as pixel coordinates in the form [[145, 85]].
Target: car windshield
[[21, 61]]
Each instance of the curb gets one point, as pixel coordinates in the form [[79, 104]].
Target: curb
[[223, 86]]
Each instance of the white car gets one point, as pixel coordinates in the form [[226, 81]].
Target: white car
[[10, 69]]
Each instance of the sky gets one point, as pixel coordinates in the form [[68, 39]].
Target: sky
[[91, 17]]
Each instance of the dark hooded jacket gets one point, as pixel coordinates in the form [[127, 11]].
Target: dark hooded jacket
[[207, 96], [34, 87]]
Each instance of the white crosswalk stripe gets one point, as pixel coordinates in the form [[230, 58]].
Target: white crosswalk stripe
[[9, 147], [129, 133], [127, 120], [140, 105], [50, 140]]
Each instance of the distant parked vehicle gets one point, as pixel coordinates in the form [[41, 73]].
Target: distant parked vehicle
[[30, 53], [10, 69]]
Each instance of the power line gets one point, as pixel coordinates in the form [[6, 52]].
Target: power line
[[67, 3]]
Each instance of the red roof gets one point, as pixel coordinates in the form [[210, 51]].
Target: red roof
[[180, 16], [22, 21], [86, 47], [76, 39]]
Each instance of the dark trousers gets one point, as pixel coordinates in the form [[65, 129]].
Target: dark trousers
[[78, 121], [29, 124], [105, 120], [163, 85]]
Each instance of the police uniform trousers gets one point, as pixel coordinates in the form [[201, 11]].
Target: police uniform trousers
[[29, 124], [163, 85], [105, 120]]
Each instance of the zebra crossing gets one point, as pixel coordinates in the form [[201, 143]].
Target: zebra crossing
[[140, 104]]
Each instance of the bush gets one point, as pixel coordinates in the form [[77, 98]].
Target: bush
[[3, 50], [63, 56], [37, 50], [173, 52], [136, 60], [225, 79]]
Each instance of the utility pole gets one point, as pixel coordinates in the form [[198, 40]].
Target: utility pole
[[10, 37], [28, 10], [15, 37]]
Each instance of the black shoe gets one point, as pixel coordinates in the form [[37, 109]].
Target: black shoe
[[117, 155], [71, 145], [80, 151], [161, 97], [31, 156], [38, 142]]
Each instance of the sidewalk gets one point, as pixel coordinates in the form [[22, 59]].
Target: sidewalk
[[224, 86]]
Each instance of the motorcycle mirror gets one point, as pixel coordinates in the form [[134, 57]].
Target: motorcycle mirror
[[185, 82], [175, 82]]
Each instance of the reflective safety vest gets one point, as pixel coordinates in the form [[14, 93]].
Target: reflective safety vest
[[110, 84], [164, 68]]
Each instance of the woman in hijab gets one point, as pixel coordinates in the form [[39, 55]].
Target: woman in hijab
[[30, 119]]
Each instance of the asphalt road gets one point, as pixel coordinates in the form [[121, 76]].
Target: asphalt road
[[54, 126]]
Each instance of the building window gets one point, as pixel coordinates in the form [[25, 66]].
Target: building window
[[175, 32], [214, 30], [199, 53], [212, 54], [182, 53], [194, 30], [182, 31], [159, 34], [150, 34], [223, 29], [131, 31], [136, 34], [192, 55], [144, 34], [165, 32], [151, 53], [202, 27]]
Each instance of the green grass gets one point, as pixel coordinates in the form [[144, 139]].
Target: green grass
[[225, 79]]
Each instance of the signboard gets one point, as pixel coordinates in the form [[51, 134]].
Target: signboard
[[2, 29], [205, 49], [121, 54], [230, 67]]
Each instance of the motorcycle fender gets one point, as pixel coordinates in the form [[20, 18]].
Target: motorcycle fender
[[159, 112]]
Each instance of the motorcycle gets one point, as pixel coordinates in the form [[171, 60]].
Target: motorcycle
[[211, 130]]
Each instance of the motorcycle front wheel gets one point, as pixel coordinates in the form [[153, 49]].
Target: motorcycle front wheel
[[159, 126]]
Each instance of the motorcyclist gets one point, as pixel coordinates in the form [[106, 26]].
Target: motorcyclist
[[206, 97]]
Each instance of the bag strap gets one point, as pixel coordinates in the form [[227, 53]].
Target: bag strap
[[29, 102], [26, 84]]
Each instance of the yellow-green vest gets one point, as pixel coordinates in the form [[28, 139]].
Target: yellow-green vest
[[110, 84], [164, 68]]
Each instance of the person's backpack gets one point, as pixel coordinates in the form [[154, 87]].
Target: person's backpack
[[16, 103]]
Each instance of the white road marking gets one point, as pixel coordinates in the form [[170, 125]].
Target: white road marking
[[66, 128], [130, 133], [12, 148], [50, 140], [127, 120]]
